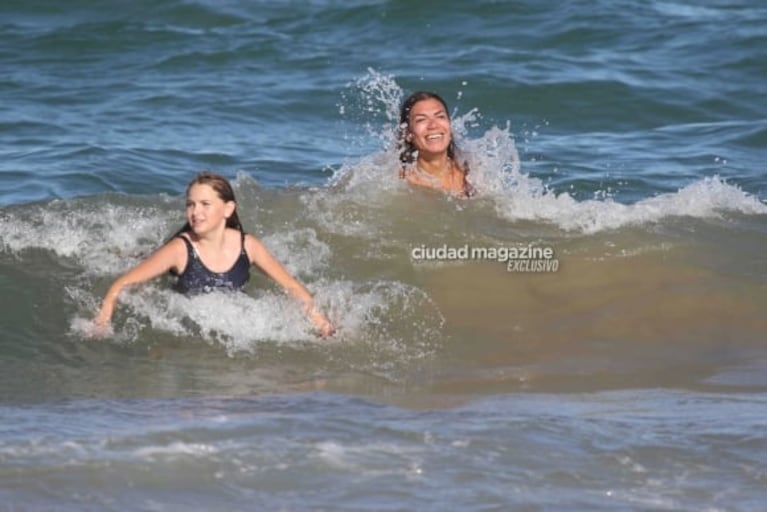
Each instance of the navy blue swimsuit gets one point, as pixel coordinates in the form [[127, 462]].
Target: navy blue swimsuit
[[197, 278]]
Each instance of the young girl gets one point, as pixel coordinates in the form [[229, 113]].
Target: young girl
[[211, 252]]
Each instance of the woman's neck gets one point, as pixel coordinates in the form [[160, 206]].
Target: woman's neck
[[436, 165]]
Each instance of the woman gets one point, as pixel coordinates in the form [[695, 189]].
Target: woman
[[427, 149], [211, 252]]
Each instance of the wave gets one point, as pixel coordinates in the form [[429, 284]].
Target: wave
[[349, 240], [350, 243]]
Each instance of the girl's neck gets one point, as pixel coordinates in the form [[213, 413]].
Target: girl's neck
[[212, 238]]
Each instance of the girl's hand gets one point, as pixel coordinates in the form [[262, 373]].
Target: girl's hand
[[97, 329], [323, 324], [101, 325]]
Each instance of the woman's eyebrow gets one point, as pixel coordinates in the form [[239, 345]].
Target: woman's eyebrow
[[439, 112]]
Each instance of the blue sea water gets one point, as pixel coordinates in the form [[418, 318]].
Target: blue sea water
[[629, 137]]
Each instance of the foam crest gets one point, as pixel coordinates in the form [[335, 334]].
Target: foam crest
[[706, 198], [103, 237], [394, 318], [300, 251], [358, 200], [175, 449], [236, 321]]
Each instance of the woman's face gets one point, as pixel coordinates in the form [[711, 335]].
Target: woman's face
[[205, 210], [429, 127]]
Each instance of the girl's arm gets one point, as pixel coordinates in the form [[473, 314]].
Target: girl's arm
[[169, 256], [260, 255]]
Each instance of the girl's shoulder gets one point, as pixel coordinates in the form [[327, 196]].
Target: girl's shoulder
[[252, 244], [178, 241]]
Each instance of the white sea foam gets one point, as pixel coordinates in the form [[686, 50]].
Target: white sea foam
[[175, 449], [300, 251], [396, 319], [373, 459], [102, 236], [706, 198]]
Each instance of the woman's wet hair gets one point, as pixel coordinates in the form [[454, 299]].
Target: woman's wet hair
[[406, 148], [223, 190]]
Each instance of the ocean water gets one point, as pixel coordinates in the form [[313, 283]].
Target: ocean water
[[625, 370]]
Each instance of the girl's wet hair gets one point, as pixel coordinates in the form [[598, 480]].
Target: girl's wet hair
[[223, 190]]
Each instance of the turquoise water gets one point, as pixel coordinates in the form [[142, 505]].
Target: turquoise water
[[628, 137]]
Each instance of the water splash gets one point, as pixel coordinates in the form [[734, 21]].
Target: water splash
[[374, 101], [388, 322], [496, 172]]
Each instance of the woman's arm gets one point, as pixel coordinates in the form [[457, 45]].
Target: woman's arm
[[260, 255], [169, 256]]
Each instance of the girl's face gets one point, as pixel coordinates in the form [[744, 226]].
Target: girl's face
[[205, 210], [429, 128]]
